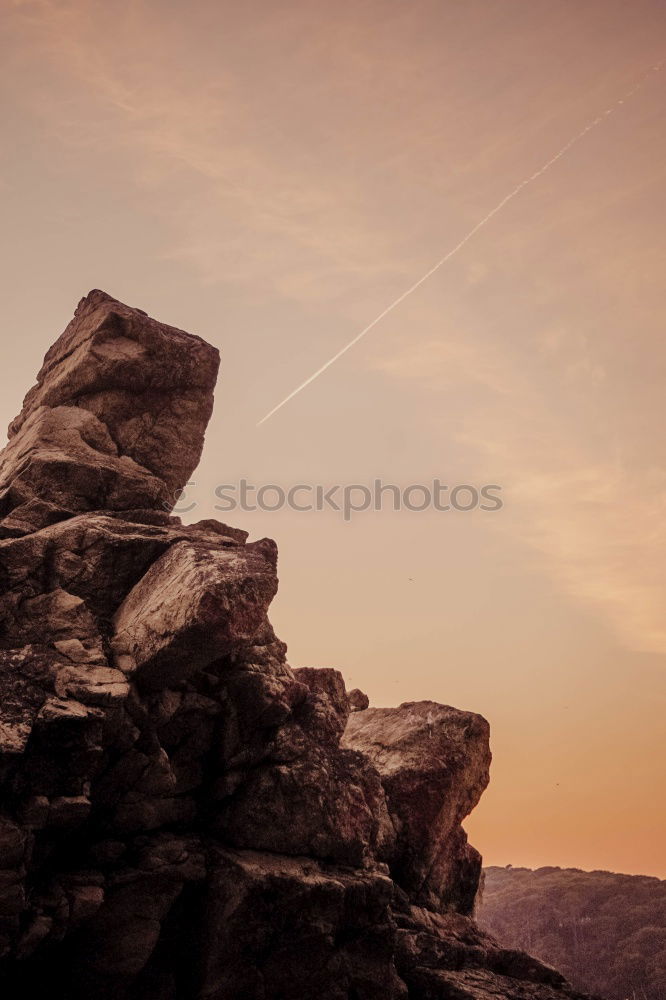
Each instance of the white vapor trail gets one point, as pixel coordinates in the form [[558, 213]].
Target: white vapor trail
[[451, 253]]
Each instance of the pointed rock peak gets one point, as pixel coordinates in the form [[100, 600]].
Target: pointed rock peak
[[116, 419]]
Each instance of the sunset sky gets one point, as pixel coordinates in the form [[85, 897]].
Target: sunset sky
[[271, 175]]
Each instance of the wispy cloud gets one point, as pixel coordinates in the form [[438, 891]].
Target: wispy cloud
[[240, 202], [596, 518]]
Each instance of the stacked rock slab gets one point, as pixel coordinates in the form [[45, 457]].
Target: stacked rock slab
[[182, 815]]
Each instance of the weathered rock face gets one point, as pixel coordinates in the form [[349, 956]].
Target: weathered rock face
[[116, 420], [182, 815], [434, 765]]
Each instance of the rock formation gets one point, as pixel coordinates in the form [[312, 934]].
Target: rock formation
[[182, 815]]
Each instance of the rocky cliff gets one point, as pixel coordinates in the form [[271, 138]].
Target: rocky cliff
[[182, 814]]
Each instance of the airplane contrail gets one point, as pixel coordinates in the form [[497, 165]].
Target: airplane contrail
[[451, 253]]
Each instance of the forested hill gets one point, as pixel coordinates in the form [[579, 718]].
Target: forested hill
[[605, 932]]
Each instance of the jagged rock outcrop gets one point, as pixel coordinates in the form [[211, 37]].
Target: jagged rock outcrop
[[434, 764], [182, 815], [116, 420]]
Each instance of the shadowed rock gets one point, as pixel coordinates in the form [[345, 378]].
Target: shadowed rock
[[323, 932], [192, 607], [358, 700]]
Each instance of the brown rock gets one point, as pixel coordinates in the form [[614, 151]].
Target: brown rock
[[358, 701], [65, 456], [192, 607], [322, 933], [328, 705], [434, 765], [150, 385], [92, 685], [31, 515], [329, 805], [441, 956]]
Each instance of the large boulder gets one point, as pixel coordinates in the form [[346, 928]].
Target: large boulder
[[116, 419], [434, 765], [192, 607]]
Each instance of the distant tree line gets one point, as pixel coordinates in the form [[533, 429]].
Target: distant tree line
[[605, 932]]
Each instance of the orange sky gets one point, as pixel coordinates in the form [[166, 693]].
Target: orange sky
[[270, 176]]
